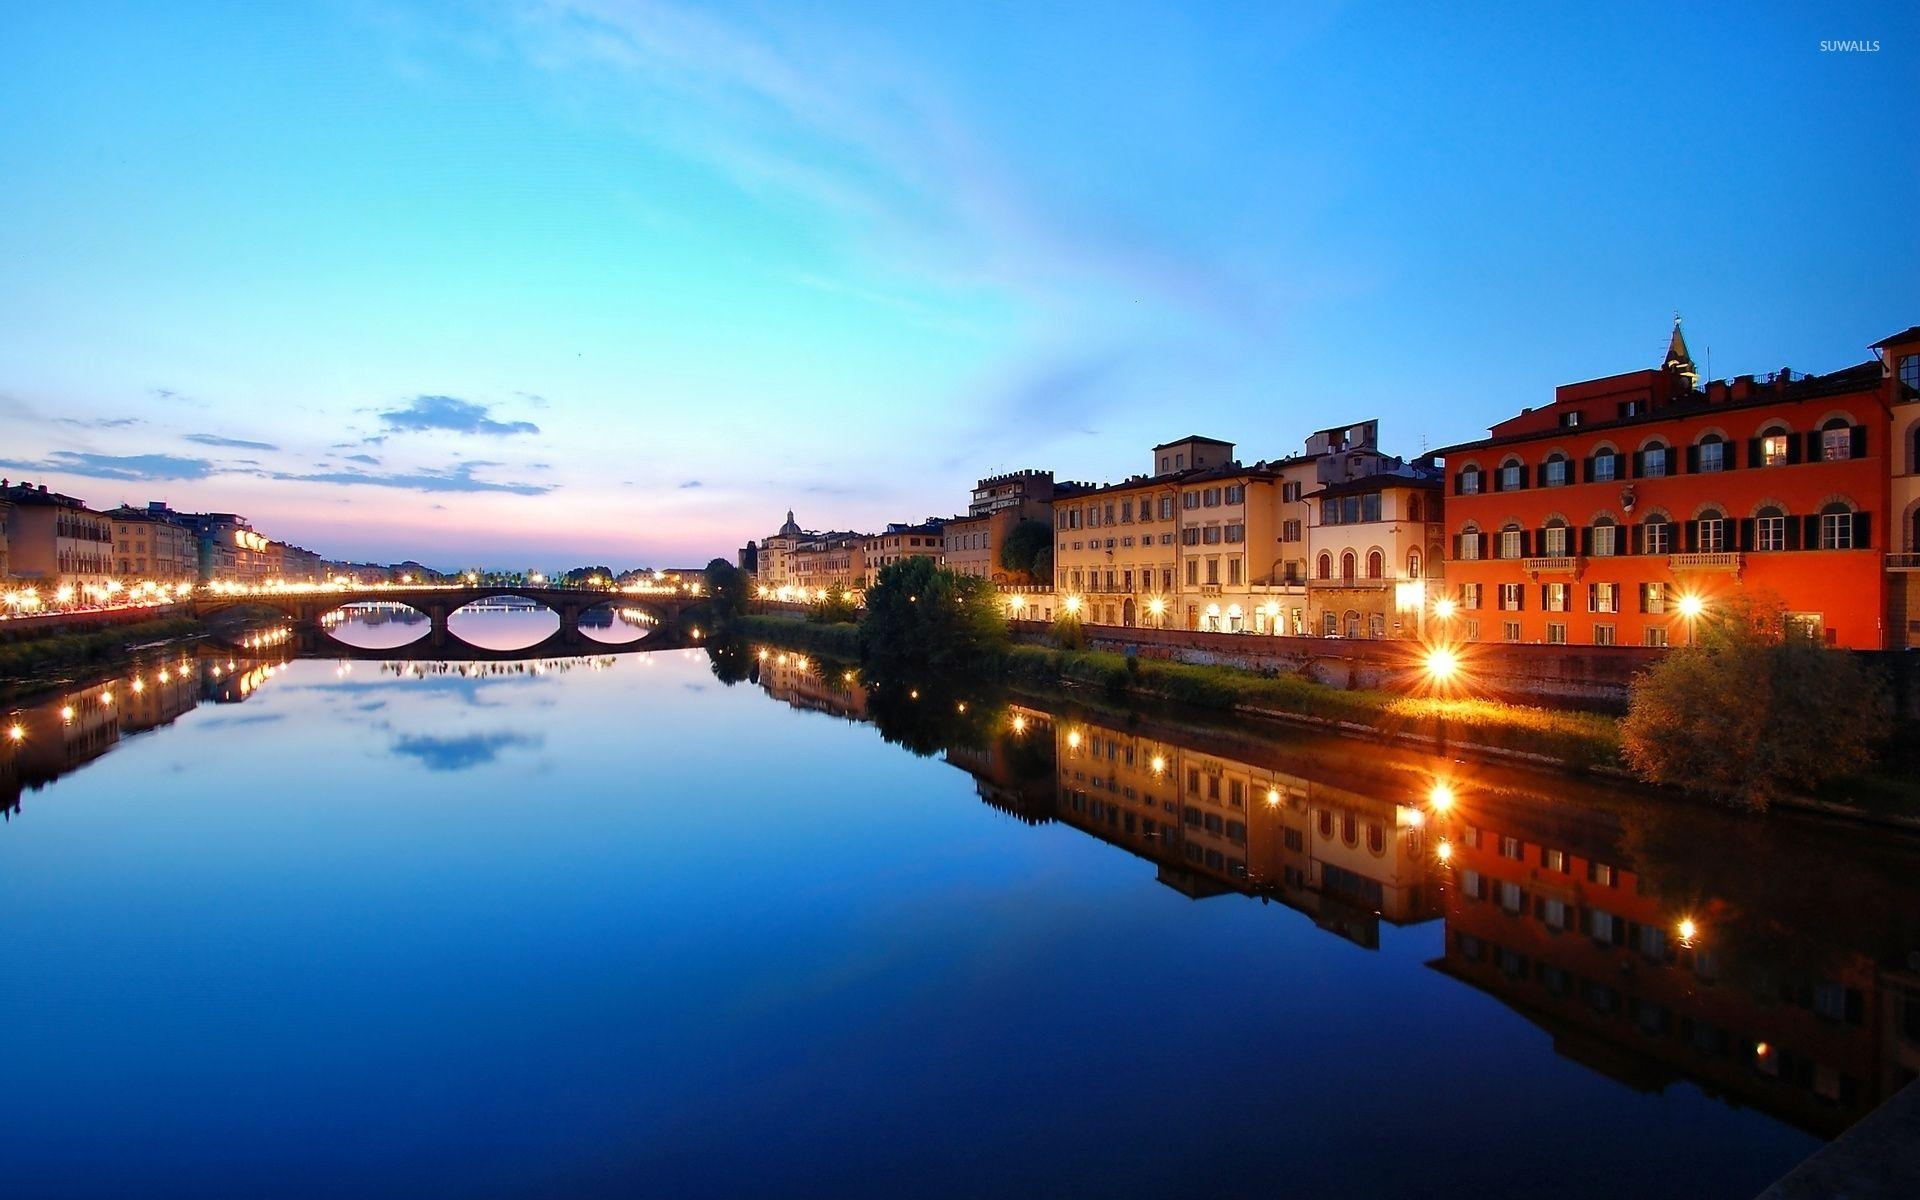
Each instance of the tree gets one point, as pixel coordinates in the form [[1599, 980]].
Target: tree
[[1748, 715], [1020, 552], [731, 589], [925, 621], [581, 576]]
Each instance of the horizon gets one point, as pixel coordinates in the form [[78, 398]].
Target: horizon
[[589, 282]]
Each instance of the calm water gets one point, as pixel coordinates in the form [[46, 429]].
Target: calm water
[[612, 925]]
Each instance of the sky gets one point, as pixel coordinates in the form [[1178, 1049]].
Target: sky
[[531, 284]]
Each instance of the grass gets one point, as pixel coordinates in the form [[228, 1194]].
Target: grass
[[1576, 739], [19, 660]]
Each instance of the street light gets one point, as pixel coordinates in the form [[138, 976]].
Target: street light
[[1691, 606]]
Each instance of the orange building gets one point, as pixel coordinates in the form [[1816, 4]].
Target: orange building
[[1631, 504]]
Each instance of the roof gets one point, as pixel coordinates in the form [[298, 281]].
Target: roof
[[1910, 334], [1379, 481], [1861, 377], [1192, 437], [27, 494]]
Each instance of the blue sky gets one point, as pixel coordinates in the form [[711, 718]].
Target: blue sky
[[536, 283]]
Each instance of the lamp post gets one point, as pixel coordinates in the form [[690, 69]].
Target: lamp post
[[1691, 606]]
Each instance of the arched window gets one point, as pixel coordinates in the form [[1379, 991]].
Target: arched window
[[1376, 838], [1413, 564], [1653, 459], [1326, 823], [1376, 565], [1837, 440], [1349, 829], [1710, 532], [1605, 538], [1837, 527], [1557, 539], [1556, 471], [1325, 569], [1512, 542], [1512, 476], [1656, 533], [1347, 565], [1605, 464], [1467, 547], [1772, 529], [1775, 447], [1708, 455], [1469, 482]]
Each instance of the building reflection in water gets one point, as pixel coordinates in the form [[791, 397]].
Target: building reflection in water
[[1771, 963]]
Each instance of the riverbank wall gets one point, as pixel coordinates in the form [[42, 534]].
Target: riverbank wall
[[53, 624]]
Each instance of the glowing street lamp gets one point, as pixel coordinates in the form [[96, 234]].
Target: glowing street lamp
[[1442, 664], [1444, 608], [1440, 798], [1691, 606]]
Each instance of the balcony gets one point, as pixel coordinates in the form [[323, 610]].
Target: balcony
[[1561, 565], [1721, 561], [1903, 562]]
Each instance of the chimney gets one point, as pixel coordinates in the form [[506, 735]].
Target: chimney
[[1742, 387]]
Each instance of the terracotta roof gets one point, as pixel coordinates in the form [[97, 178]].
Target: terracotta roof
[[1194, 437], [1910, 334]]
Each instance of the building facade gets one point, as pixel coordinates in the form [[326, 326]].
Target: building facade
[[54, 539], [1376, 543], [822, 561], [1900, 359], [897, 544], [1631, 504], [151, 544]]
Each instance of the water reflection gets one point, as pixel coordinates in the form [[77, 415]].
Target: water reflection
[[1774, 964]]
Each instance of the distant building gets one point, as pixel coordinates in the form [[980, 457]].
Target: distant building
[[748, 559], [55, 539], [1621, 511], [821, 561], [153, 543], [772, 568], [973, 543], [898, 543]]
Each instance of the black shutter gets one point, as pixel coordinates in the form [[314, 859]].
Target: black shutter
[[1673, 458], [1693, 460], [1456, 482], [1859, 447], [1586, 540], [1639, 460], [1526, 476], [1862, 528], [1692, 536], [1746, 533], [1526, 543], [1636, 539], [1499, 479], [1482, 544], [1792, 532], [1755, 456], [1641, 590], [1586, 469], [1459, 545], [1812, 538], [1813, 446], [1729, 455], [1794, 445]]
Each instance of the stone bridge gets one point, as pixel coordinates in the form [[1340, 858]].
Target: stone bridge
[[439, 602]]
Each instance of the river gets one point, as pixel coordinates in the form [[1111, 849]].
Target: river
[[721, 921]]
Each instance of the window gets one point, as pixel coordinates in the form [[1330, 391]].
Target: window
[[1656, 637], [1603, 597], [1472, 628], [1510, 540], [1236, 533], [1166, 508], [1553, 473], [1836, 442], [1770, 530], [1190, 536], [1712, 454], [1413, 564], [1511, 477], [1653, 597], [1553, 597], [1836, 527], [1711, 534], [1603, 635], [1910, 376], [1469, 483], [1290, 492], [1190, 500], [1774, 448], [1469, 545], [1376, 565], [1556, 633], [1210, 497], [1653, 461], [1325, 569], [1509, 631], [1569, 420], [1211, 535], [1349, 565], [1606, 539], [1604, 466], [1556, 546], [1470, 595], [1237, 493], [1511, 597], [1290, 531], [1659, 536]]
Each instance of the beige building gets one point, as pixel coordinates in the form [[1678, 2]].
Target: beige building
[[821, 561], [55, 539], [1901, 356], [149, 544], [898, 543], [773, 566], [1376, 545]]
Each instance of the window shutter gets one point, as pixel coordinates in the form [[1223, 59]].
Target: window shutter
[[1499, 480], [1693, 460], [1459, 545], [1691, 542], [1481, 544], [1526, 476], [1457, 475], [1813, 532], [1586, 540], [1729, 454], [1755, 457], [1862, 529], [1858, 449], [1673, 457], [1813, 446], [1793, 533], [1593, 597], [1636, 539], [1526, 543], [1639, 461], [1619, 465], [1794, 446], [1642, 589], [1586, 469], [1746, 533]]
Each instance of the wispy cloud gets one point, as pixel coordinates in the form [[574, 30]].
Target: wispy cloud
[[368, 459], [460, 753], [691, 483], [99, 422], [214, 439], [458, 478], [450, 413], [131, 467]]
